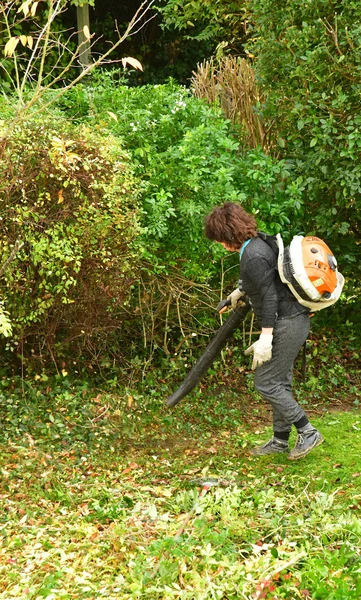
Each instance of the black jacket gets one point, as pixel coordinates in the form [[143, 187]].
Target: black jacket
[[259, 279]]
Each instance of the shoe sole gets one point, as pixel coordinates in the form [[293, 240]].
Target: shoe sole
[[317, 443], [259, 454]]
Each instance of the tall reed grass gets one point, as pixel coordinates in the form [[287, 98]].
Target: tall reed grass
[[231, 82]]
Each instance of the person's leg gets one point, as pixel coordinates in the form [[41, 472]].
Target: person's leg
[[280, 424], [274, 380]]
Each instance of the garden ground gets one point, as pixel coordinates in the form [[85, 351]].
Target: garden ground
[[104, 495]]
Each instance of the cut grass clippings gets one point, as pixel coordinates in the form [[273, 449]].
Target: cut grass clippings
[[101, 496]]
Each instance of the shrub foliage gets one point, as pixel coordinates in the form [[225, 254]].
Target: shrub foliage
[[68, 203], [108, 209], [308, 62], [187, 159]]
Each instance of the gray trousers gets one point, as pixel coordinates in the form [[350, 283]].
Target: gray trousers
[[273, 380]]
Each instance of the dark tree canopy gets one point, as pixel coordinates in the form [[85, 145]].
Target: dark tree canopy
[[162, 52]]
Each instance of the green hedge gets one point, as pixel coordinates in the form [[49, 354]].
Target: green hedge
[[110, 203], [188, 159], [308, 63], [68, 202]]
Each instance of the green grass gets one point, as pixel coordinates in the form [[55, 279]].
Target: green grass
[[100, 498]]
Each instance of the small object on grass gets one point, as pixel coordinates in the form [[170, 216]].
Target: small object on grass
[[210, 482]]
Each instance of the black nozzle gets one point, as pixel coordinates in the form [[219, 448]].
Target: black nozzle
[[212, 350]]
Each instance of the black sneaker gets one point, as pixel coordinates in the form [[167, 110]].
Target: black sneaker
[[306, 441], [274, 446]]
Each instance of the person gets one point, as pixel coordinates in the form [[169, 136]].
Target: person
[[284, 327]]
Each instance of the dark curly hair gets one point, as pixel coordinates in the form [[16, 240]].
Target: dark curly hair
[[230, 224]]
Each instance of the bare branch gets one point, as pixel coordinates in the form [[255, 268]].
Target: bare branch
[[333, 32], [7, 26], [142, 25], [40, 51], [18, 245], [45, 31], [91, 67]]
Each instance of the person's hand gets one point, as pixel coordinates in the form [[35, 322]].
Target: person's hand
[[262, 350], [235, 296]]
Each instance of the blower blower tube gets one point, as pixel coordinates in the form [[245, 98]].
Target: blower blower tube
[[213, 349]]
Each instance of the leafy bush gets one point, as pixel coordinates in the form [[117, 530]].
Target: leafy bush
[[219, 22], [309, 65], [307, 61], [187, 159], [121, 272], [184, 155], [69, 214]]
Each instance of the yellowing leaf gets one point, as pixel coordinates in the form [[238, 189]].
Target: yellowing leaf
[[112, 115], [30, 42], [86, 32], [133, 62], [10, 46], [166, 493], [24, 7], [33, 8], [23, 40], [72, 157], [23, 520]]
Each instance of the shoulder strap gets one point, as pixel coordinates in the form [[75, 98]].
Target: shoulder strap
[[271, 240]]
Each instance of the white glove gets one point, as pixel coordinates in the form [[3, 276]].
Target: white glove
[[262, 350], [235, 296]]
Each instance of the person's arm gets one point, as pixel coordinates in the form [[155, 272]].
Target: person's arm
[[262, 275]]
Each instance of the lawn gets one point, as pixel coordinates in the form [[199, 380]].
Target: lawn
[[115, 495]]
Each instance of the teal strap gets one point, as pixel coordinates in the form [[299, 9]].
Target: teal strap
[[243, 247]]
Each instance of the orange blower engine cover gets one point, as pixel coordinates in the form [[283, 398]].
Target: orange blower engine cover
[[309, 269], [320, 265]]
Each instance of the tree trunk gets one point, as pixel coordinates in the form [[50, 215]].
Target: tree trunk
[[83, 20]]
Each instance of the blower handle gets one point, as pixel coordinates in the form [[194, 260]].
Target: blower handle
[[222, 304]]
